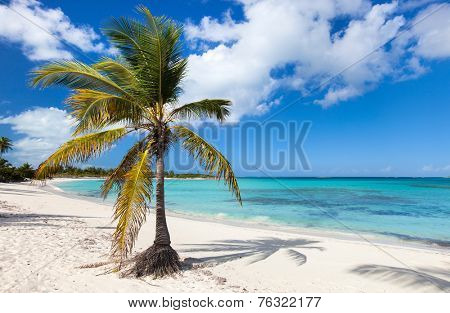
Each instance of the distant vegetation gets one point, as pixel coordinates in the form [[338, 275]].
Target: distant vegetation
[[75, 172], [171, 174], [91, 171], [9, 173]]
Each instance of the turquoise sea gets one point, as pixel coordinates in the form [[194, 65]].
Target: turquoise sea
[[405, 208]]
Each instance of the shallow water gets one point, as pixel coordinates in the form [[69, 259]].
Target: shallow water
[[407, 208]]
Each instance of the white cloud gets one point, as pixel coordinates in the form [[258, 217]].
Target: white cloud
[[413, 68], [336, 94], [213, 30], [427, 168], [406, 5], [43, 130], [433, 34], [436, 169], [23, 22], [241, 56], [360, 39], [266, 106], [387, 169]]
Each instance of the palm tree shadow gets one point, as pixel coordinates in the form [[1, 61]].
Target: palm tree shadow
[[257, 250], [407, 277], [8, 219], [12, 191]]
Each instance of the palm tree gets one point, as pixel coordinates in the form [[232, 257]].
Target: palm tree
[[5, 145], [136, 92], [26, 170]]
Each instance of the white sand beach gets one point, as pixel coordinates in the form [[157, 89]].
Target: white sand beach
[[46, 237]]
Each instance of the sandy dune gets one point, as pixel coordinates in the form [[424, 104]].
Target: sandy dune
[[46, 237]]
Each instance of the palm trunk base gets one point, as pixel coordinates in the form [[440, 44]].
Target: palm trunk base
[[158, 260]]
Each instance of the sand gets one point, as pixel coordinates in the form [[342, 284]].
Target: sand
[[46, 236]]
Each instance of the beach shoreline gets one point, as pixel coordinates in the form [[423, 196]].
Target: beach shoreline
[[47, 236], [418, 243]]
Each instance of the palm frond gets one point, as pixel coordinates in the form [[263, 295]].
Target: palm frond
[[132, 205], [79, 150], [117, 178], [165, 49], [208, 108], [94, 110], [153, 51], [125, 34], [136, 43], [74, 75], [209, 158], [5, 144], [118, 71]]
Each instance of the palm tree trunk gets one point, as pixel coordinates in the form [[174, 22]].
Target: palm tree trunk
[[160, 259], [162, 236]]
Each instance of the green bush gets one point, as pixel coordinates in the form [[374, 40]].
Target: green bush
[[9, 173]]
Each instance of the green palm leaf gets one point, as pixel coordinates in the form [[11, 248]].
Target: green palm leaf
[[116, 179], [126, 34], [208, 108], [79, 150], [168, 67], [74, 75], [5, 144], [95, 110], [209, 158], [118, 71], [153, 51], [131, 207]]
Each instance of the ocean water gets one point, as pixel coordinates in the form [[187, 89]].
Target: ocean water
[[406, 208]]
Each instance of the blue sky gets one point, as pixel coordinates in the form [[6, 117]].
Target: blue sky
[[386, 115]]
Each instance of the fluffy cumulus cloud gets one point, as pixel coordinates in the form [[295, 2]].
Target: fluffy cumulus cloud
[[40, 31], [309, 42], [43, 130], [432, 34]]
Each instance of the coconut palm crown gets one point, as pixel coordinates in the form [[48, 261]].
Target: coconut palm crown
[[135, 92], [5, 145]]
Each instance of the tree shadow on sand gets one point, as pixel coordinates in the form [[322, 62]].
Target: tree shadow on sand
[[257, 249], [21, 192], [407, 277], [31, 219]]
